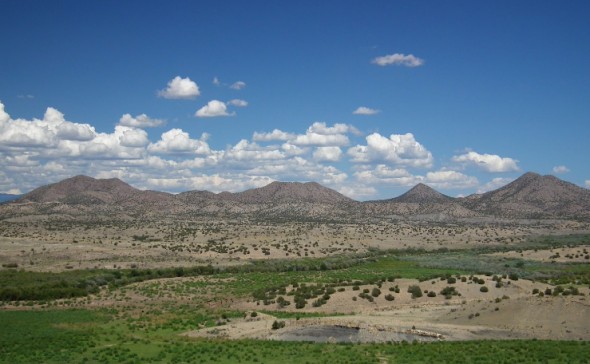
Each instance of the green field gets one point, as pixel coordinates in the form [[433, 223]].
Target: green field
[[52, 331], [83, 336]]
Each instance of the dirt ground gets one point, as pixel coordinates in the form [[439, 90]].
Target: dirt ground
[[509, 312], [57, 246], [579, 254]]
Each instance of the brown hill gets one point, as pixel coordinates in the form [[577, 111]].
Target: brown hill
[[293, 192], [533, 195], [422, 202], [87, 195], [423, 194], [530, 196]]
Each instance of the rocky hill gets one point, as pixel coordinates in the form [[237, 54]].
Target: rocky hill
[[533, 195], [530, 196], [422, 202]]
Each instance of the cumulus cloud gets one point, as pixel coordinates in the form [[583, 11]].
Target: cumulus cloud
[[363, 110], [247, 151], [327, 154], [213, 108], [319, 134], [488, 162], [4, 117], [494, 184], [450, 180], [398, 148], [178, 141], [134, 138], [276, 134], [382, 174], [44, 133], [180, 88], [560, 169], [238, 85], [140, 121], [238, 103], [399, 59], [357, 192]]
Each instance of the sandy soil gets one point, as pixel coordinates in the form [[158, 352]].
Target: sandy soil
[[57, 246], [579, 254], [509, 312]]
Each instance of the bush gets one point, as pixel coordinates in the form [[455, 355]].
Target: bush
[[254, 314], [483, 289], [449, 292], [278, 325], [535, 291], [415, 290], [375, 292], [451, 280], [431, 294], [513, 276], [389, 297]]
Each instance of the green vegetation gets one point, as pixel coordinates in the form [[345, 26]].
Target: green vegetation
[[80, 336]]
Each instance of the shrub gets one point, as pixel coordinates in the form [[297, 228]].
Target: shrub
[[431, 294], [451, 280], [513, 276], [415, 290], [254, 314], [535, 291], [356, 288], [375, 292], [483, 289], [278, 325], [389, 297]]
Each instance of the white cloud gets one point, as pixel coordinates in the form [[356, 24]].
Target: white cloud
[[450, 180], [238, 85], [246, 151], [238, 103], [319, 134], [322, 128], [398, 148], [180, 88], [357, 192], [494, 184], [398, 59], [140, 121], [134, 138], [44, 133], [487, 162], [178, 141], [327, 154], [560, 169], [363, 110], [292, 150], [216, 81], [321, 139], [4, 117], [382, 174], [587, 182], [212, 109], [276, 134]]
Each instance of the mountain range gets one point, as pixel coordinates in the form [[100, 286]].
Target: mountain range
[[529, 196]]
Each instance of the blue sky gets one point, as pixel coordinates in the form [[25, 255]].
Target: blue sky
[[462, 95]]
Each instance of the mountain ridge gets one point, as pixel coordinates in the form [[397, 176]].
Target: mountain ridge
[[529, 196]]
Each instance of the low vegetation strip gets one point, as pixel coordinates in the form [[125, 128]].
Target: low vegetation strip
[[16, 285], [83, 336]]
